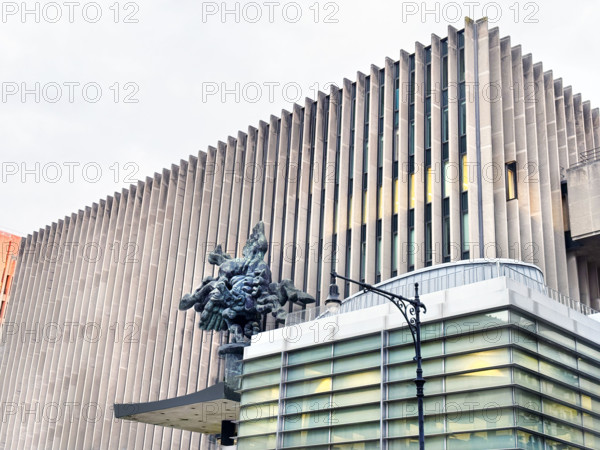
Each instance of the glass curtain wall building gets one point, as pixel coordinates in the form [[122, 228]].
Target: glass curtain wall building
[[498, 375]]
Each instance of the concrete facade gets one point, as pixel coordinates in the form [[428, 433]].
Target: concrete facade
[[355, 180]]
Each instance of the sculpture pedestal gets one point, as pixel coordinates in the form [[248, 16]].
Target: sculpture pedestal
[[233, 355]]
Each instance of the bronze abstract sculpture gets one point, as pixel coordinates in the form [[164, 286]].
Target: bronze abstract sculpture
[[242, 293]]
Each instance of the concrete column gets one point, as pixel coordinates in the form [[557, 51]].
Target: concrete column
[[420, 173], [503, 150], [357, 178], [570, 123], [259, 175], [403, 175], [344, 167], [436, 153], [329, 176], [573, 276], [525, 251], [546, 165], [510, 151], [387, 178], [555, 200], [303, 224], [289, 239], [584, 280], [489, 210], [315, 210], [579, 126], [454, 162], [371, 207], [280, 200], [534, 252], [594, 286], [249, 184], [470, 34]]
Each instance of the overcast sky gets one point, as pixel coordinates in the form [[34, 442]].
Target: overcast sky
[[97, 95]]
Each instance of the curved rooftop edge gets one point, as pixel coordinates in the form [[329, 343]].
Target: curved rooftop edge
[[445, 276]]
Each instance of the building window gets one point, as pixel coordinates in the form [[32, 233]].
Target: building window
[[511, 180], [411, 190]]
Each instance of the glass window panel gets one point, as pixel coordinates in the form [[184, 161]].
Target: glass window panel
[[407, 353], [447, 179], [306, 404], [555, 335], [553, 445], [308, 387], [529, 441], [522, 321], [410, 427], [475, 322], [556, 354], [511, 182], [252, 427], [563, 431], [256, 443], [592, 440], [590, 403], [307, 420], [525, 360], [357, 379], [408, 408], [469, 419], [428, 331], [356, 397], [429, 186], [528, 400], [529, 420], [588, 350], [588, 367], [309, 370], [465, 232], [524, 339], [309, 354], [465, 173], [356, 414], [407, 389], [260, 395], [589, 385], [256, 412], [413, 443], [403, 371], [482, 440], [479, 360], [356, 432], [559, 392], [412, 192], [356, 446], [526, 379], [308, 437], [357, 362], [357, 345], [561, 411], [256, 365], [477, 380], [472, 341], [261, 379], [478, 400], [396, 196], [554, 371]]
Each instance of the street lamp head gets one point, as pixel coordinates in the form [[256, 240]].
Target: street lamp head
[[333, 302]]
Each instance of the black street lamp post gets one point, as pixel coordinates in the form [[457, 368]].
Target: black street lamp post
[[411, 310]]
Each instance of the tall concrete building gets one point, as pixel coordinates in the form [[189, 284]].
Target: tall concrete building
[[464, 149]]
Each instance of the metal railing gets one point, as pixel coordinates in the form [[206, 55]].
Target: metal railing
[[464, 277]]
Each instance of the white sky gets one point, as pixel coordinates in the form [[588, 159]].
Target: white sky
[[173, 53]]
